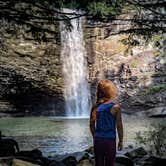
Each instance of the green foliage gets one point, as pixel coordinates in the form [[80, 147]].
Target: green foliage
[[72, 5], [154, 139], [156, 89], [40, 15], [100, 10]]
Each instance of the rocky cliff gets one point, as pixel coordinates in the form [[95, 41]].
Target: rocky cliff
[[30, 71], [31, 81], [136, 66]]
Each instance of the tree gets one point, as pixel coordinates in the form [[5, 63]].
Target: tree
[[148, 16]]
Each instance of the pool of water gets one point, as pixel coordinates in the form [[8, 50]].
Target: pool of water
[[57, 135]]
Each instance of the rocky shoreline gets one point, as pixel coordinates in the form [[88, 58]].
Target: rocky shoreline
[[129, 156]]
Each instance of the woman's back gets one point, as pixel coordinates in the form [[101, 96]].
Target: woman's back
[[105, 122]]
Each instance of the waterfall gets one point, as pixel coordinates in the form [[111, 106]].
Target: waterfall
[[73, 57]]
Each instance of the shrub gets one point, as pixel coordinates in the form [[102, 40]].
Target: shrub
[[103, 10], [154, 139]]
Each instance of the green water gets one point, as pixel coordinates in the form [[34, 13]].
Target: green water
[[59, 136]]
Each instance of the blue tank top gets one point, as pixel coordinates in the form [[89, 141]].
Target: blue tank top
[[105, 122]]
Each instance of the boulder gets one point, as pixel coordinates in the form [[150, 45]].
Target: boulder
[[136, 153], [80, 155], [77, 155], [119, 164], [125, 150], [124, 160], [85, 163], [56, 163], [8, 146], [152, 161], [17, 162], [90, 150], [34, 156], [70, 161], [120, 161]]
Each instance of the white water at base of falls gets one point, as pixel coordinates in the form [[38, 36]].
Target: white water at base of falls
[[73, 57]]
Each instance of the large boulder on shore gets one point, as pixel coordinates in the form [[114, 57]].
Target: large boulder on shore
[[124, 160], [151, 161], [17, 162], [136, 153], [70, 161], [8, 146], [56, 163], [78, 156], [85, 163], [34, 156]]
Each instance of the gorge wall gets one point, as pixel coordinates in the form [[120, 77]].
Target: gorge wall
[[31, 80], [30, 70], [137, 67]]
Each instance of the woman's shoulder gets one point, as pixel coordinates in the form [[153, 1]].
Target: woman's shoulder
[[116, 107]]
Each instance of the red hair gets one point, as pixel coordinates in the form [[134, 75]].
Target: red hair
[[106, 90]]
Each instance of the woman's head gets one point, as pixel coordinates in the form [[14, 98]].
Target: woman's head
[[106, 90]]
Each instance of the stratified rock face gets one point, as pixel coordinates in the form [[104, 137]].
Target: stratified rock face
[[138, 69], [30, 72]]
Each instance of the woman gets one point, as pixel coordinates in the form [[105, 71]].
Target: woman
[[104, 119]]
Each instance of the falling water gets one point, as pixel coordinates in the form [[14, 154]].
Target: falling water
[[73, 56]]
